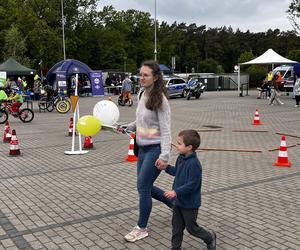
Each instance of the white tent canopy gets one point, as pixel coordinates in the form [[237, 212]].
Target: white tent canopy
[[269, 57]]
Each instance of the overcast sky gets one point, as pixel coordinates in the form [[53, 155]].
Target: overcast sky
[[255, 15]]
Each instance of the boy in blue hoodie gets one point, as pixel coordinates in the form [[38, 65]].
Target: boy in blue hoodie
[[186, 191]]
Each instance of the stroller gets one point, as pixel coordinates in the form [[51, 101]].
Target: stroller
[[127, 100]]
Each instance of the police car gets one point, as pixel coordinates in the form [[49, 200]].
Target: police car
[[175, 85]]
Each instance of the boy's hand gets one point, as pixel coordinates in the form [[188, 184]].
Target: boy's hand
[[170, 194], [161, 164]]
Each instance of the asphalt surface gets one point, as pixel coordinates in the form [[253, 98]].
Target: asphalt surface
[[49, 200]]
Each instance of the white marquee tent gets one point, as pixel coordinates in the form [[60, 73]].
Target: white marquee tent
[[269, 57]]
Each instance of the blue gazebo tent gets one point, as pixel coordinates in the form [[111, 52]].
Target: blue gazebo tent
[[67, 68]]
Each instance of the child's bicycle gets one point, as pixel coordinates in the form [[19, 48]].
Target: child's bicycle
[[123, 103], [55, 100], [25, 115]]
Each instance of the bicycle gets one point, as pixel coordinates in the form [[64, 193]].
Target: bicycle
[[55, 100], [25, 115]]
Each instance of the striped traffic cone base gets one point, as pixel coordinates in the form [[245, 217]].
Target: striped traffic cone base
[[131, 157], [88, 143], [256, 120], [14, 149], [7, 135], [282, 159]]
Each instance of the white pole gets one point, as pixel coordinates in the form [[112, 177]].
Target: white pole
[[76, 114], [77, 110], [239, 79], [155, 51], [63, 28]]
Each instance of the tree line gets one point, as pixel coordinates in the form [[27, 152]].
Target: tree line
[[31, 32]]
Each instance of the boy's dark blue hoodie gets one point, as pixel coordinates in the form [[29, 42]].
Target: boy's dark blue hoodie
[[187, 182]]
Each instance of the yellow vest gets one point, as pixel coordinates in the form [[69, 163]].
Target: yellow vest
[[270, 77]]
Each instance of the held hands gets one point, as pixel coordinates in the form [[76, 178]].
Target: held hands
[[161, 164], [170, 194]]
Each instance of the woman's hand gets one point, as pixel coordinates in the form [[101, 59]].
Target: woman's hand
[[170, 194], [161, 164], [121, 129]]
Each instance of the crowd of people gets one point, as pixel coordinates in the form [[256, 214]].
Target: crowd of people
[[272, 86]]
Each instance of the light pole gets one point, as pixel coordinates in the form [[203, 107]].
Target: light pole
[[63, 28], [155, 51]]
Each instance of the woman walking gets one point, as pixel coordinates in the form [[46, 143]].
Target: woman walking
[[275, 90], [153, 136]]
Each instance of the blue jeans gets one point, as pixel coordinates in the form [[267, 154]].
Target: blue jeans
[[146, 175]]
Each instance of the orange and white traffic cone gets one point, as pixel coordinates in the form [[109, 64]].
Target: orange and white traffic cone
[[256, 120], [131, 157], [14, 149], [71, 126], [282, 160], [7, 135], [88, 143]]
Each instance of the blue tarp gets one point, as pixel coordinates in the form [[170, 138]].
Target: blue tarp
[[165, 69], [69, 66], [297, 68]]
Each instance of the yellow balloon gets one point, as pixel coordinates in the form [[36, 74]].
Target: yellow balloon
[[88, 125]]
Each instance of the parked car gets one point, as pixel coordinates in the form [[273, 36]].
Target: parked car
[[175, 85]]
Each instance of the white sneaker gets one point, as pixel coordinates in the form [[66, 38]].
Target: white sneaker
[[136, 234], [296, 106]]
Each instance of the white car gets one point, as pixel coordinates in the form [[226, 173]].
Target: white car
[[175, 85]]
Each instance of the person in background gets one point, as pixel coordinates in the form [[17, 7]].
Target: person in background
[[20, 84], [10, 84], [24, 82], [279, 82], [186, 191], [3, 95], [17, 99], [297, 91], [37, 84], [265, 87], [275, 90], [126, 89]]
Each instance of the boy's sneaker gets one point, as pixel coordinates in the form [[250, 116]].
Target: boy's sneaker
[[136, 234], [213, 244], [296, 106]]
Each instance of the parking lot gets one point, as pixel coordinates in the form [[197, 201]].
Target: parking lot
[[50, 200]]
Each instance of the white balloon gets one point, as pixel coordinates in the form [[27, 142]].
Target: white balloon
[[107, 112]]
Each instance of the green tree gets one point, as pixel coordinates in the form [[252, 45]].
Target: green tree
[[15, 46], [294, 14], [294, 55], [246, 56], [208, 65]]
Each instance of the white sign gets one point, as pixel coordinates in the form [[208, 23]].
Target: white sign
[[2, 78], [236, 68], [97, 81], [62, 84]]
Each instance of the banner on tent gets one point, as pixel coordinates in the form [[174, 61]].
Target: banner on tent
[[97, 83], [61, 79]]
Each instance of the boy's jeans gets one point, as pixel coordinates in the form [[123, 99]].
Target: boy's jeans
[[187, 218], [146, 175]]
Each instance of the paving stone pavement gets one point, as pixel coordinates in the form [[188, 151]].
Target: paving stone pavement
[[49, 200]]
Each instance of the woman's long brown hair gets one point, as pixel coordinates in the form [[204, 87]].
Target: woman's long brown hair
[[159, 89]]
